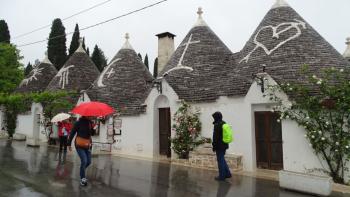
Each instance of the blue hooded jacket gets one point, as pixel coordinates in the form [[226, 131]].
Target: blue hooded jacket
[[217, 143]]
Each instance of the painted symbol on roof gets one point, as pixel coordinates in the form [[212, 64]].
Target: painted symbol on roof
[[179, 65], [276, 34], [36, 72], [186, 47], [104, 72], [63, 74]]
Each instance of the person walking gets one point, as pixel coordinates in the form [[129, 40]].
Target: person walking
[[220, 147], [83, 130], [64, 128]]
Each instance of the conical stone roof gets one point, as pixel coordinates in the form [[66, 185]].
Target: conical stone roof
[[39, 78], [283, 43], [197, 69], [78, 73], [124, 83]]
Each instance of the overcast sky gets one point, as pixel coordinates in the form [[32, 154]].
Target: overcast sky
[[232, 20]]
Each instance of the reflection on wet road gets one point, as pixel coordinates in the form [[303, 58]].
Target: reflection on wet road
[[28, 171]]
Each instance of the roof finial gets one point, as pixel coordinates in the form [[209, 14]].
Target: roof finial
[[347, 50], [127, 36], [200, 21], [280, 3], [127, 44], [200, 12], [80, 48], [46, 59]]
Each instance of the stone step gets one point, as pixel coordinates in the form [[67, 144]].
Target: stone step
[[204, 157]]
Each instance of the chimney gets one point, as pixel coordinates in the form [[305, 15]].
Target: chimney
[[165, 48], [347, 50]]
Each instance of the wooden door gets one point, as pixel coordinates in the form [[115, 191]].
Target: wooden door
[[268, 138], [164, 132]]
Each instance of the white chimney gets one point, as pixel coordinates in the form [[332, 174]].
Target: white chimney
[[347, 50], [165, 48]]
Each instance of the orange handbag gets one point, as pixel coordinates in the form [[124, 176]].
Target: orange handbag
[[82, 142]]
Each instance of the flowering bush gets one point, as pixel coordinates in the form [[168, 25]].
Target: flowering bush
[[187, 129], [322, 108]]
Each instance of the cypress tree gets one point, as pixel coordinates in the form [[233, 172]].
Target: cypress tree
[[28, 69], [140, 56], [99, 58], [56, 46], [155, 68], [74, 44], [83, 45], [146, 61], [4, 32], [88, 51]]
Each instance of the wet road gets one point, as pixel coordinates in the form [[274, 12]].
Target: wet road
[[27, 171]]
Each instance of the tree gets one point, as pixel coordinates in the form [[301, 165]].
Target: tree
[[28, 68], [155, 68], [4, 32], [88, 51], [99, 58], [56, 46], [74, 44], [146, 61], [83, 45], [11, 69], [140, 56], [321, 107]]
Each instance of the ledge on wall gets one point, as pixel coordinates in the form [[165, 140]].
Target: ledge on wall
[[321, 185]]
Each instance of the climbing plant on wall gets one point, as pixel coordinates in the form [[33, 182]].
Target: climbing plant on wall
[[187, 127], [321, 105], [14, 104]]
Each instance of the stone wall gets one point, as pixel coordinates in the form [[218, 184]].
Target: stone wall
[[204, 157]]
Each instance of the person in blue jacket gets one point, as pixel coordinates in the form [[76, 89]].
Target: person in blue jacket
[[220, 147]]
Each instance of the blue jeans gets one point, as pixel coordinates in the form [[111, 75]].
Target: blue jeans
[[85, 160], [224, 171]]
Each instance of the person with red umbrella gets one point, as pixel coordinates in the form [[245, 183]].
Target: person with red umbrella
[[83, 129], [83, 143]]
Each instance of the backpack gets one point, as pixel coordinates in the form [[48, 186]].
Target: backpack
[[227, 133]]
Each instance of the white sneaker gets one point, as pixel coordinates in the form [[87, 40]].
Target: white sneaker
[[83, 182]]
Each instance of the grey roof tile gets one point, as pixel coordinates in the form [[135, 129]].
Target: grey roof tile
[[38, 79], [283, 42], [127, 86], [78, 73]]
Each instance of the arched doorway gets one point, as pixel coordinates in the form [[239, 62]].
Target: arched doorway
[[162, 125]]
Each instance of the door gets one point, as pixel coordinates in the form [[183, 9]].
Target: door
[[164, 132], [268, 138]]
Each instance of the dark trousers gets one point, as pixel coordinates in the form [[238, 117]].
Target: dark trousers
[[63, 144], [85, 160], [224, 171]]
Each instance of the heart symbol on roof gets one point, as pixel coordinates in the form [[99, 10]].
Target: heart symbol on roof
[[276, 32]]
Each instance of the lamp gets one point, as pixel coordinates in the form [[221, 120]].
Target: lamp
[[158, 85], [260, 77]]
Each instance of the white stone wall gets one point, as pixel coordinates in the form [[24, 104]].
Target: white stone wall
[[27, 123], [140, 135], [1, 118]]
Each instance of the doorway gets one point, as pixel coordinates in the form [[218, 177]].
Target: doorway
[[268, 139], [164, 131]]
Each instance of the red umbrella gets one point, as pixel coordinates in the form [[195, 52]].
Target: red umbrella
[[93, 109]]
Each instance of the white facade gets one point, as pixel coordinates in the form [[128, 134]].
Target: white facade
[[30, 125], [140, 134]]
